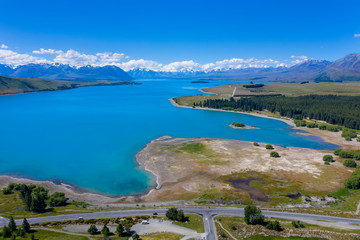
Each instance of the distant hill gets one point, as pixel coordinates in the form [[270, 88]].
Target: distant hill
[[66, 72], [9, 85], [310, 66], [344, 69]]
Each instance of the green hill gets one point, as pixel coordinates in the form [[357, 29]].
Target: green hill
[[9, 85]]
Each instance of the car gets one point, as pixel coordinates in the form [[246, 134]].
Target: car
[[80, 218], [144, 222], [155, 213]]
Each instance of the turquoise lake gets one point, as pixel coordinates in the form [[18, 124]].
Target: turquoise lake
[[89, 136]]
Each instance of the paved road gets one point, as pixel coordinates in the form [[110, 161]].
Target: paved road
[[207, 214]]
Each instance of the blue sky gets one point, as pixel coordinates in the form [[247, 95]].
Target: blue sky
[[172, 31]]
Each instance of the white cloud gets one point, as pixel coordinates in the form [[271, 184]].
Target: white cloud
[[140, 64], [47, 51], [13, 58], [108, 58], [298, 59], [184, 66], [238, 63], [77, 59], [357, 35], [4, 46]]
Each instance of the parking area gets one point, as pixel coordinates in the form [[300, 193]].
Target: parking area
[[157, 225]]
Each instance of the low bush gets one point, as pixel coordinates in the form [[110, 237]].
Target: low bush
[[297, 224], [269, 146], [274, 226], [311, 125], [328, 158], [300, 123], [350, 163], [274, 154], [238, 124]]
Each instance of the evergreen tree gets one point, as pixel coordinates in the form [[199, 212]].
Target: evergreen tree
[[93, 230], [105, 230], [127, 230], [6, 232], [120, 230], [26, 226], [12, 225]]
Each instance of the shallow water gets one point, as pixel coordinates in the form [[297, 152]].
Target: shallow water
[[89, 136]]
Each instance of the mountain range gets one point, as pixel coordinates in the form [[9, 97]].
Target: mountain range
[[66, 72], [344, 69]]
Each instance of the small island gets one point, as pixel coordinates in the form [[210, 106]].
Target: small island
[[240, 125]]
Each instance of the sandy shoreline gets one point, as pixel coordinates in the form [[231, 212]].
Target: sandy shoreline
[[287, 121]]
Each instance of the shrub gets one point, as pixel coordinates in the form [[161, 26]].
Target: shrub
[[135, 236], [353, 182], [256, 144], [57, 199], [297, 224], [6, 191], [322, 126], [350, 163], [348, 134], [274, 226], [269, 146], [300, 123], [337, 151], [227, 108], [345, 154], [328, 158], [356, 155], [311, 125], [274, 154], [238, 124], [253, 215], [93, 229], [332, 128]]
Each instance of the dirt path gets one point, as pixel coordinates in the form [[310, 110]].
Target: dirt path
[[226, 230]]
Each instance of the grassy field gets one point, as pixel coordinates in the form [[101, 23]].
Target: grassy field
[[237, 227], [261, 237], [161, 236], [195, 222], [12, 205], [10, 85], [290, 89], [287, 89]]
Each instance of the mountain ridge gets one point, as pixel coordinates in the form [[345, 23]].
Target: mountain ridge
[[65, 72], [343, 69]]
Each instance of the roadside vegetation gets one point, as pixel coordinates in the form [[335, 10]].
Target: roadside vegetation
[[253, 223], [21, 200]]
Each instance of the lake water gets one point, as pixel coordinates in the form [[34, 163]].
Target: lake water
[[89, 136]]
